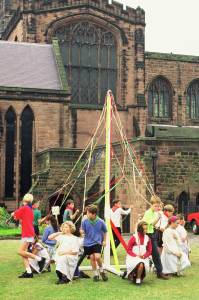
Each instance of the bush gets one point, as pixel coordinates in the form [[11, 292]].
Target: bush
[[4, 215]]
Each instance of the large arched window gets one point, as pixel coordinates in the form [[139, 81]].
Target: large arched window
[[90, 60], [159, 98], [193, 100], [27, 119], [10, 119]]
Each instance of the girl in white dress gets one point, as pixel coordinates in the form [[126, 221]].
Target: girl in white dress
[[183, 235], [174, 260], [66, 256], [139, 250]]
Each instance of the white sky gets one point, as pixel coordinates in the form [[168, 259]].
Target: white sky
[[171, 25]]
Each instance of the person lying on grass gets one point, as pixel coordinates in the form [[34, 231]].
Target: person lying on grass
[[66, 255], [25, 215], [139, 250]]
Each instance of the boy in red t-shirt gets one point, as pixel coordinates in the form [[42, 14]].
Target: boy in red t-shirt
[[26, 216]]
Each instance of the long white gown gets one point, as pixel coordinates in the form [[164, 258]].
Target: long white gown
[[171, 245], [66, 264]]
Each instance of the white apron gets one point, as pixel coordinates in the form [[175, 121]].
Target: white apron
[[171, 244], [133, 261]]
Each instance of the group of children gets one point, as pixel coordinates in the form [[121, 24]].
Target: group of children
[[159, 235], [162, 236]]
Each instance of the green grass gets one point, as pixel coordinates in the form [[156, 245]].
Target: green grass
[[13, 232], [43, 287], [10, 232]]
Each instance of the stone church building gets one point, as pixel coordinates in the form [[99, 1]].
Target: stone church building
[[58, 58]]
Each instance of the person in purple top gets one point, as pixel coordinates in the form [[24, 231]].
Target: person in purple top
[[94, 231], [51, 228]]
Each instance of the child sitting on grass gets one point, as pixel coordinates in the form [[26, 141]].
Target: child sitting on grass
[[66, 256], [38, 249], [183, 234], [174, 260], [25, 215], [95, 231], [51, 228], [139, 250]]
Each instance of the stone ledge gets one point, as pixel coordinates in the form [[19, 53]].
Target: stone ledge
[[172, 57]]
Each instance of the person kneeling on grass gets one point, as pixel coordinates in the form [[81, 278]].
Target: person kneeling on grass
[[66, 255], [139, 250], [39, 250], [94, 230], [25, 215], [174, 260]]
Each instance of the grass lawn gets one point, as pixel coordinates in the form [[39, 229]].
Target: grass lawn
[[10, 232], [13, 232], [43, 287]]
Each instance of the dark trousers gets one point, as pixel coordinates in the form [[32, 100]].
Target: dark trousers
[[116, 240], [79, 263], [36, 229], [155, 253]]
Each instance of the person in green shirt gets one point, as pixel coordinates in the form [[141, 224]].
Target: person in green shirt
[[38, 220], [151, 217]]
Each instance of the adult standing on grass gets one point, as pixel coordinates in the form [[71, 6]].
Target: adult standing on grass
[[25, 215], [151, 217]]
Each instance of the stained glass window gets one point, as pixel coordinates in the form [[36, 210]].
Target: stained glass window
[[27, 119], [10, 119], [159, 98], [193, 100], [90, 60]]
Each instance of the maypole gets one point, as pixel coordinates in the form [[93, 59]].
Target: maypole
[[107, 262], [107, 174]]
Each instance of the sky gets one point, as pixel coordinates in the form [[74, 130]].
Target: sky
[[171, 25]]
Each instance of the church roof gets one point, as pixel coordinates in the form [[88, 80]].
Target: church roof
[[28, 65]]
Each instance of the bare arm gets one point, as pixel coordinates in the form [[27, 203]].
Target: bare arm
[[54, 235]]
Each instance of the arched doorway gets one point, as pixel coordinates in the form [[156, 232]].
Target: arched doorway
[[183, 201]]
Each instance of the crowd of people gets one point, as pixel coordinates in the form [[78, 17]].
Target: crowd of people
[[160, 242]]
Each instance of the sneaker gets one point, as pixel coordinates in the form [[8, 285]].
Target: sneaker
[[104, 276], [96, 278], [41, 264], [26, 275]]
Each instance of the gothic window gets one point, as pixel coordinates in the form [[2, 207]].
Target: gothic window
[[159, 98], [10, 120], [90, 60], [193, 100], [27, 119]]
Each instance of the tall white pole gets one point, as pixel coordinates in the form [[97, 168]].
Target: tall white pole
[[107, 174]]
